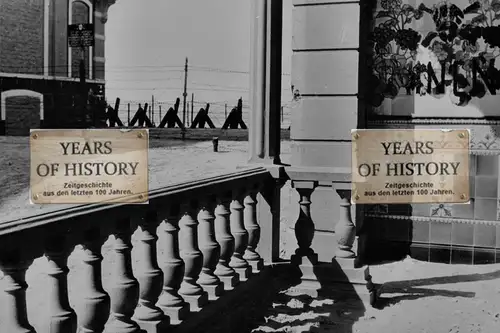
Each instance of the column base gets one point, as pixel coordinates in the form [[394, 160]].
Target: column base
[[243, 273], [128, 326], [213, 291], [309, 283], [339, 280], [345, 281], [229, 282], [256, 265], [176, 313], [197, 302], [158, 326]]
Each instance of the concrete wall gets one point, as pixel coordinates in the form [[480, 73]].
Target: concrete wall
[[325, 72]]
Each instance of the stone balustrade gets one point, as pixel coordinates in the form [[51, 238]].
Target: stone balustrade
[[210, 233]]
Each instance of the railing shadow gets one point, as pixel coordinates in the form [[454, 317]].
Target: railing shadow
[[335, 307], [409, 290]]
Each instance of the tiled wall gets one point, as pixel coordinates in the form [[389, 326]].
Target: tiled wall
[[447, 233], [456, 243], [484, 192]]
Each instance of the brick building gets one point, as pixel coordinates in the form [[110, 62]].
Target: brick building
[[39, 73]]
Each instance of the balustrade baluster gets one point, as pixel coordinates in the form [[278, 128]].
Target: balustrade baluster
[[237, 262], [224, 237], [15, 316], [210, 250], [253, 229], [305, 257], [61, 318], [125, 290], [149, 317], [173, 270], [345, 230], [304, 227], [190, 290], [96, 304]]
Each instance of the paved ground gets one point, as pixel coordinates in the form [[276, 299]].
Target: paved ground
[[418, 297]]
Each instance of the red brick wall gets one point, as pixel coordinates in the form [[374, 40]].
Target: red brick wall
[[21, 36]]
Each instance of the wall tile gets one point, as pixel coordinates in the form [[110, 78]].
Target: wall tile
[[483, 256], [421, 232], [462, 234], [463, 211], [440, 210], [487, 165], [440, 233], [485, 209], [440, 254], [461, 255], [485, 235], [419, 252], [420, 209], [486, 187]]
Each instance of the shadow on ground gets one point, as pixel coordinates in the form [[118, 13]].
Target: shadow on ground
[[411, 289]]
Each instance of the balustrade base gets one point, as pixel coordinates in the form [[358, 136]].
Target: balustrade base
[[243, 273], [197, 302], [158, 326], [176, 313], [213, 291], [340, 280], [256, 265], [127, 326], [309, 283], [344, 280], [229, 282]]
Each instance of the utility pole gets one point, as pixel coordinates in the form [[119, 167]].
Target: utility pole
[[185, 93], [128, 114], [152, 115], [83, 93], [192, 106], [225, 111]]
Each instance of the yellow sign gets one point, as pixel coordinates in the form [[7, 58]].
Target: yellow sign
[[410, 166], [76, 166]]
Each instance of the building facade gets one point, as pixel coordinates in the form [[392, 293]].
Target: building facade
[[412, 64], [39, 73]]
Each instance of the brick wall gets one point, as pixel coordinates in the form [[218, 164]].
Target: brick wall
[[21, 36]]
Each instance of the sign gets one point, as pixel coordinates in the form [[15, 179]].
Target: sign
[[81, 35], [77, 166], [410, 166]]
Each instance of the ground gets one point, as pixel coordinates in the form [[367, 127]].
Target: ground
[[417, 296]]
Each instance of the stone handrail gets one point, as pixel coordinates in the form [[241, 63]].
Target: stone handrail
[[210, 230]]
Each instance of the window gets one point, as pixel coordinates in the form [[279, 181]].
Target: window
[[80, 11]]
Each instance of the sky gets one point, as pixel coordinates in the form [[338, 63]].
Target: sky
[[147, 42]]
